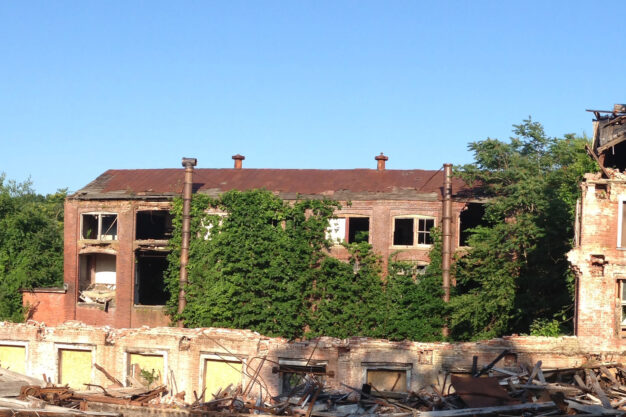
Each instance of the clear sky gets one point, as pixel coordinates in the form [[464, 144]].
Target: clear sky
[[90, 85]]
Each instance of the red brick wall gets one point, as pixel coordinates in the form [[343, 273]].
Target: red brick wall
[[599, 263], [125, 314], [47, 307]]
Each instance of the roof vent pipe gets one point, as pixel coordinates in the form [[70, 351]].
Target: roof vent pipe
[[188, 163], [381, 159], [238, 160]]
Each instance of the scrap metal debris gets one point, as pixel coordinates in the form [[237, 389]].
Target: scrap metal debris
[[593, 389]]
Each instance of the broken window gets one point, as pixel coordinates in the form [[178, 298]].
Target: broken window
[[294, 374], [411, 231], [97, 277], [348, 229], [415, 269], [389, 377], [99, 226], [471, 217], [154, 224], [150, 268]]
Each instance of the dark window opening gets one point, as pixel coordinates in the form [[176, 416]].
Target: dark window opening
[[615, 157], [403, 232], [472, 216], [358, 229], [423, 231], [90, 226], [154, 224], [150, 288]]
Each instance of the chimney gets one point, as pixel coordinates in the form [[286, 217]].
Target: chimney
[[381, 161], [238, 159]]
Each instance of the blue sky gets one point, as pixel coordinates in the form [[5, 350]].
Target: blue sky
[[90, 85]]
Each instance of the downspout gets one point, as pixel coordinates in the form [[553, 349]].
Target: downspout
[[188, 163], [446, 234]]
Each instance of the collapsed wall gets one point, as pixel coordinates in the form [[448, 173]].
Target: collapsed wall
[[204, 359]]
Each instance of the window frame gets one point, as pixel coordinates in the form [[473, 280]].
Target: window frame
[[416, 232], [620, 221], [346, 235], [99, 232], [391, 367], [621, 304]]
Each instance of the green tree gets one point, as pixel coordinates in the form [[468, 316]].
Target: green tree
[[516, 270], [31, 243]]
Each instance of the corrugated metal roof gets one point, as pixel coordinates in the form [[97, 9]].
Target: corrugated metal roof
[[357, 184]]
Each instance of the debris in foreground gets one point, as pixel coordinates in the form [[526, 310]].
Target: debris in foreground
[[593, 389]]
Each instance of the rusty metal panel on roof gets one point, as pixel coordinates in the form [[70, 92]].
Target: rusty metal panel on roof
[[348, 183]]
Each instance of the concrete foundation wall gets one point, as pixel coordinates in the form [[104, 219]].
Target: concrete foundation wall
[[184, 351]]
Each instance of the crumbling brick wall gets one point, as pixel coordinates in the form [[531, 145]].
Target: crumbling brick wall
[[598, 261], [346, 360]]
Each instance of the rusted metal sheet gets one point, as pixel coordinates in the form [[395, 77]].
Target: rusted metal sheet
[[481, 392], [329, 183]]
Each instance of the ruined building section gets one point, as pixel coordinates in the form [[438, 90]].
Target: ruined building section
[[599, 254], [118, 227]]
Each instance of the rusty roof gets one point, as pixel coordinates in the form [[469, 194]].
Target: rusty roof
[[339, 184]]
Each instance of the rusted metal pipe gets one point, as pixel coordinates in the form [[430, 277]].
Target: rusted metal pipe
[[446, 235], [188, 163]]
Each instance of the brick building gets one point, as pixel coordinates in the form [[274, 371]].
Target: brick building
[[599, 255], [117, 229]]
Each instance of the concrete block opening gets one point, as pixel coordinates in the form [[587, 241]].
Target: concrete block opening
[[219, 373]]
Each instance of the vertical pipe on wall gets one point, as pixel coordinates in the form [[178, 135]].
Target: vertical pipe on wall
[[188, 163], [446, 234]]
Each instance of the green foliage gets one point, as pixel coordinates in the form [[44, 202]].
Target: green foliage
[[415, 308], [516, 270], [545, 327], [256, 266], [347, 298], [31, 243]]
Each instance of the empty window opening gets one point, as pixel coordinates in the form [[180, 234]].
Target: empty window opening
[[472, 216], [294, 374], [75, 368], [154, 224], [150, 269], [358, 229], [403, 232], [348, 229], [388, 377], [97, 277], [219, 375], [615, 156], [99, 226], [13, 358], [147, 367]]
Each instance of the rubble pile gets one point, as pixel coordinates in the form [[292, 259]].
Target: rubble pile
[[593, 389]]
